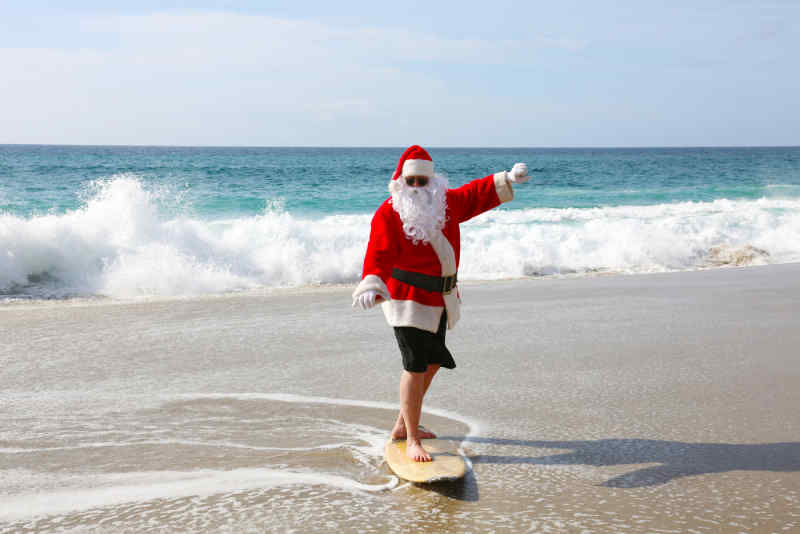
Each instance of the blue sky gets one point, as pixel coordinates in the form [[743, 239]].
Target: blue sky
[[305, 73]]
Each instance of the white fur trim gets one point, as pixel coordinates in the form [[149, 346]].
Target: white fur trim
[[412, 313], [453, 304], [503, 186], [447, 259], [417, 167], [445, 253], [372, 282]]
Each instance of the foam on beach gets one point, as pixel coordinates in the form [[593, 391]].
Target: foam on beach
[[377, 446], [33, 495], [122, 243], [119, 488]]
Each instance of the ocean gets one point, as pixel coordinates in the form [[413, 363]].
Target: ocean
[[122, 222]]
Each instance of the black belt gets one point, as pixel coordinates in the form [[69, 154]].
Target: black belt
[[435, 284]]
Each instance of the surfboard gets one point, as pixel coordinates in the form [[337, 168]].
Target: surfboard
[[447, 463]]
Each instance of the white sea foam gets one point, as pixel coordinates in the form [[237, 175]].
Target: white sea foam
[[630, 239], [376, 444], [71, 495], [54, 494], [121, 245], [185, 442], [305, 399]]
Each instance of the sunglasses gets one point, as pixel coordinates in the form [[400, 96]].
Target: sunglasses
[[417, 181]]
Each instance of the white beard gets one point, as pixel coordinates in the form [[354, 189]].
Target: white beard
[[422, 209]]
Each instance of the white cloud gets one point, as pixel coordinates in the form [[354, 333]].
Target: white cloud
[[181, 76], [227, 78], [277, 41]]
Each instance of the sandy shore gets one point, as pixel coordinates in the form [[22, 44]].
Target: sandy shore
[[646, 403]]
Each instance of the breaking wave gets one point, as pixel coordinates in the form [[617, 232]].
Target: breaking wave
[[121, 243]]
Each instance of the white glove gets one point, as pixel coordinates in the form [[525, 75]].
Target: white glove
[[519, 174], [366, 300]]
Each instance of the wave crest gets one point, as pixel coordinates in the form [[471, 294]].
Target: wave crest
[[124, 243], [120, 245]]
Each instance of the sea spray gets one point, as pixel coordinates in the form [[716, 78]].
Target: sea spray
[[119, 244], [131, 239], [629, 239]]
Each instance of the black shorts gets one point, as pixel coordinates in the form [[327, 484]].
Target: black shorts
[[421, 348]]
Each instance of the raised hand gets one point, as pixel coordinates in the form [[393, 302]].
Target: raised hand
[[519, 174]]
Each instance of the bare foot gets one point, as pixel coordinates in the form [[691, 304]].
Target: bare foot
[[415, 451], [399, 432]]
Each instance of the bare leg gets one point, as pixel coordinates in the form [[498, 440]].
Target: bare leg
[[399, 430], [412, 386]]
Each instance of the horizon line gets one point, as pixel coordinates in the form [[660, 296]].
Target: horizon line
[[553, 147]]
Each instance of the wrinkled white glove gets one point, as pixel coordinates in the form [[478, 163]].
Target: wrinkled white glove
[[366, 300], [519, 174]]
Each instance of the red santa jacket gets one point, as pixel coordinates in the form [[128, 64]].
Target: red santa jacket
[[389, 247]]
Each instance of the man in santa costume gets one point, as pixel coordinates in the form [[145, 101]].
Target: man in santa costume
[[410, 268]]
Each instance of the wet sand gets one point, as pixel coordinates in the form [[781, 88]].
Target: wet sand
[[646, 403]]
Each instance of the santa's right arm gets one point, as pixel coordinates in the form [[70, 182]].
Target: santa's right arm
[[382, 251]]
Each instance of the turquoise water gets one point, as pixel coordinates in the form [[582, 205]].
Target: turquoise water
[[110, 220], [220, 182]]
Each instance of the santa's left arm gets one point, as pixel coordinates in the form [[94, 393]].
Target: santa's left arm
[[483, 194]]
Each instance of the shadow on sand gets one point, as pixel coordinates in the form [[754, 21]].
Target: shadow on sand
[[676, 459], [463, 489]]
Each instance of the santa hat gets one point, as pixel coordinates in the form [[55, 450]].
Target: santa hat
[[415, 161]]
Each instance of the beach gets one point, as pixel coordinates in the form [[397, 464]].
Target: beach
[[628, 403]]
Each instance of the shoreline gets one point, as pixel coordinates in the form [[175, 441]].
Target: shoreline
[[11, 303]]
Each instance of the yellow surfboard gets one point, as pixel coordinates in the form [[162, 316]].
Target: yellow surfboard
[[447, 463]]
